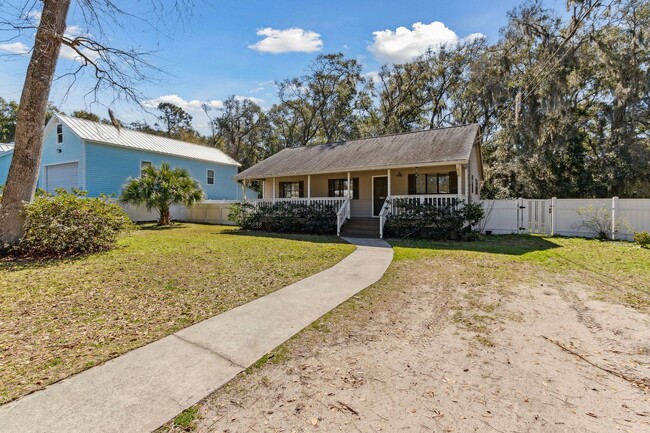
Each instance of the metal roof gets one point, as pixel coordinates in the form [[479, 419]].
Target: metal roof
[[6, 148], [109, 134], [432, 146]]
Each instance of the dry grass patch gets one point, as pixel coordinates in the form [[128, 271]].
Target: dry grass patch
[[60, 317]]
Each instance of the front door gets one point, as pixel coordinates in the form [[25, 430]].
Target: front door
[[379, 193]]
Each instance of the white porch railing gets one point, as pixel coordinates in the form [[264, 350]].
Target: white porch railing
[[383, 214], [342, 215], [437, 200], [337, 202]]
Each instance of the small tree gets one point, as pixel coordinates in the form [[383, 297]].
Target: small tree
[[160, 188]]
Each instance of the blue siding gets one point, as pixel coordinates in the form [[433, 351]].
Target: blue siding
[[5, 161], [109, 167], [72, 150]]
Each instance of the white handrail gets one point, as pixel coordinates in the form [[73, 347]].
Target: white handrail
[[382, 216], [437, 200], [342, 215]]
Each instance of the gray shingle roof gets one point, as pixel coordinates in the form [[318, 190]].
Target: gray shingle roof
[[399, 150], [108, 134]]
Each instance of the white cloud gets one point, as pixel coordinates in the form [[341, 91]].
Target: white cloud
[[288, 40], [67, 53], [34, 17], [74, 32], [372, 76], [257, 89], [258, 101], [15, 48], [193, 105], [70, 54], [404, 44]]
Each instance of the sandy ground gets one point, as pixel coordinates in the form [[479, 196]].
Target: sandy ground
[[453, 359]]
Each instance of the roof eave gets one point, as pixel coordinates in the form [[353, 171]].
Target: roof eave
[[243, 176]]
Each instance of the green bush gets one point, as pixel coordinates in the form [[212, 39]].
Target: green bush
[[285, 217], [69, 224], [642, 238], [435, 222], [599, 222]]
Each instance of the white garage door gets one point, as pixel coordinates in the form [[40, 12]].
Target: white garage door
[[62, 176]]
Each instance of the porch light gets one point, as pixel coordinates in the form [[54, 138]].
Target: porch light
[[399, 174]]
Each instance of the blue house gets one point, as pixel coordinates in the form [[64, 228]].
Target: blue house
[[100, 158]]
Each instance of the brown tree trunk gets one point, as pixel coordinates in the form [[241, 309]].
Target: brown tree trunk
[[165, 217], [24, 170]]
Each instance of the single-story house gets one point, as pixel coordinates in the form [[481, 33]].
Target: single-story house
[[99, 158], [366, 176]]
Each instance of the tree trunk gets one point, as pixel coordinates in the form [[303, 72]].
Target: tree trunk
[[24, 170], [165, 217]]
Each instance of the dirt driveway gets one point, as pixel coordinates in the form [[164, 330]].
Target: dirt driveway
[[444, 344]]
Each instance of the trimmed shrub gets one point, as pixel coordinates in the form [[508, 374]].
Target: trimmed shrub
[[285, 217], [642, 238], [435, 222], [69, 224]]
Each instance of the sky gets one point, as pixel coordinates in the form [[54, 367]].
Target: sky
[[225, 47]]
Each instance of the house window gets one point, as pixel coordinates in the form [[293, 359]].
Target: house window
[[143, 166], [59, 133], [433, 183], [295, 189], [339, 188], [210, 177]]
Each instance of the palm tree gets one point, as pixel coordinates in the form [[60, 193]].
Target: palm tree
[[160, 188]]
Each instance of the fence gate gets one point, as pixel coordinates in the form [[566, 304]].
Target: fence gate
[[534, 216]]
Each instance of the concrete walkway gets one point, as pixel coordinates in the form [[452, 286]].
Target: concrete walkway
[[143, 389]]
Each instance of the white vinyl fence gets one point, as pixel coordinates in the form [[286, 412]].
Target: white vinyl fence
[[552, 216], [208, 211], [560, 216]]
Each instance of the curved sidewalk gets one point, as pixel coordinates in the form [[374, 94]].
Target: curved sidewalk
[[142, 389]]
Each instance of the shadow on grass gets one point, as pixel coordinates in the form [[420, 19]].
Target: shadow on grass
[[18, 263], [153, 226], [514, 245], [321, 239]]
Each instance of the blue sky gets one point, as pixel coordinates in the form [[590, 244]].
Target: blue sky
[[241, 47]]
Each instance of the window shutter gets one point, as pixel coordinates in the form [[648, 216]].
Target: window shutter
[[301, 189], [281, 190], [330, 187], [355, 188], [411, 184], [453, 182]]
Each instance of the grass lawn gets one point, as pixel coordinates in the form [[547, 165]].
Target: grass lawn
[[464, 285], [618, 271], [60, 317]]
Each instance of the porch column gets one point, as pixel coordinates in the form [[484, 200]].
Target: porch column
[[467, 185], [309, 189], [459, 175], [244, 189], [389, 194], [263, 189], [349, 189], [273, 190]]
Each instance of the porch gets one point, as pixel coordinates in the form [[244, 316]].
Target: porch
[[365, 199]]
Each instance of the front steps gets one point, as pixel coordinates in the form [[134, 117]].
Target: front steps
[[361, 228]]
